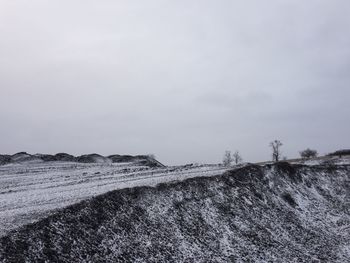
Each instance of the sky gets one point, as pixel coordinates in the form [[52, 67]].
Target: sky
[[182, 79]]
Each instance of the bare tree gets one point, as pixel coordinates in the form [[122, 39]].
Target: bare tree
[[237, 158], [227, 160], [308, 153], [276, 151]]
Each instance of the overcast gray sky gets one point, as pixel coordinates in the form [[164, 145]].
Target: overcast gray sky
[[183, 79]]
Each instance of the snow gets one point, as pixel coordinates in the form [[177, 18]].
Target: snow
[[271, 213], [30, 191]]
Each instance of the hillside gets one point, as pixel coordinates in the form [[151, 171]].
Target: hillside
[[24, 157], [272, 213], [34, 190]]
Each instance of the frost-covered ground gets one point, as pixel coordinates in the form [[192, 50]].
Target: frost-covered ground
[[279, 212], [30, 191]]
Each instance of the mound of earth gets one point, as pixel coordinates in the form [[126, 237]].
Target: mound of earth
[[345, 152], [22, 157], [64, 157], [93, 158], [141, 159], [5, 159], [272, 213]]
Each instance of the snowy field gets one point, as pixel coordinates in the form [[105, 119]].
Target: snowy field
[[31, 191]]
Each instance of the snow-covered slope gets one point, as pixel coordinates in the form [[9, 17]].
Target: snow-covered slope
[[30, 191], [273, 213]]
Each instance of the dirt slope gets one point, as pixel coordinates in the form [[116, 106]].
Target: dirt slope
[[274, 213]]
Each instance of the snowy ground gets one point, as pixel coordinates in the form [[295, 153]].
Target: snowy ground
[[31, 191], [259, 213]]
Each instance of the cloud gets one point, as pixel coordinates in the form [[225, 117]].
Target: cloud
[[184, 80]]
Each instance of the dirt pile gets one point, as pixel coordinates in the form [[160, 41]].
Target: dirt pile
[[274, 213]]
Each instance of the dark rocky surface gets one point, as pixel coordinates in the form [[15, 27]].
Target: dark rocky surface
[[273, 213]]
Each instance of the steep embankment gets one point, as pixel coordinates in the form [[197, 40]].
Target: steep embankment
[[278, 213], [30, 192]]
